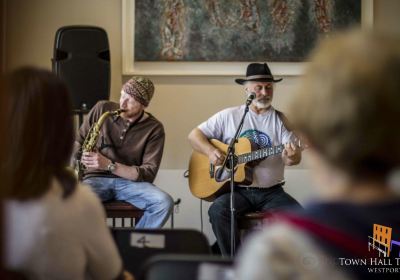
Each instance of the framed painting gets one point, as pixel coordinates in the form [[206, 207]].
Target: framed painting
[[220, 37]]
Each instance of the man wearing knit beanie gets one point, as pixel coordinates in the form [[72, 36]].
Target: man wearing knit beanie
[[128, 153], [142, 89]]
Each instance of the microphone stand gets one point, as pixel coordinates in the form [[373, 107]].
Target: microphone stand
[[230, 163]]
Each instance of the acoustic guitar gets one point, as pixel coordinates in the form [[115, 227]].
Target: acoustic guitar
[[202, 176]]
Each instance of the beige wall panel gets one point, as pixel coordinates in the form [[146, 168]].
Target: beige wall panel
[[32, 24], [386, 15]]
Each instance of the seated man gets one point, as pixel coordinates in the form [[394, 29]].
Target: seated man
[[128, 153], [264, 127]]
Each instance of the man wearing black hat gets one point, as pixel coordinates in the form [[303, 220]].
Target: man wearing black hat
[[264, 127]]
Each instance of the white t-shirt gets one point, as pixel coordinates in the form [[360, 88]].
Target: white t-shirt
[[56, 238], [265, 130]]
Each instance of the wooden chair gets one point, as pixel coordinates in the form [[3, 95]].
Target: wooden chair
[[122, 214]]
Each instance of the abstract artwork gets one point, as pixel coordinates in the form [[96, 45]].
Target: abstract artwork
[[236, 30]]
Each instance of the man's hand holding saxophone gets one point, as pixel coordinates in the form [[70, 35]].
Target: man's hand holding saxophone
[[95, 160]]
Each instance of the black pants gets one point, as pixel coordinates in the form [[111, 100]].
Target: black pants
[[246, 200]]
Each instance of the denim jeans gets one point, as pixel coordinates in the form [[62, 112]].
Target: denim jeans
[[157, 204], [246, 200]]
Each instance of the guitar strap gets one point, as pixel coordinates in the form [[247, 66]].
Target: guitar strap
[[284, 120], [289, 127]]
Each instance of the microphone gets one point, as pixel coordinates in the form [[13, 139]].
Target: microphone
[[250, 98]]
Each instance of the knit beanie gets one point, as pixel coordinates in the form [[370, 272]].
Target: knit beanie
[[140, 88]]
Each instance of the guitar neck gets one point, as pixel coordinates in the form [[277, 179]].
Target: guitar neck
[[260, 154]]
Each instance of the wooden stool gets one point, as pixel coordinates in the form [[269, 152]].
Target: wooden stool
[[122, 214], [251, 221]]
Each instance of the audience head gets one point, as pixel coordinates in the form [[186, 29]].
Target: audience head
[[348, 107], [40, 131]]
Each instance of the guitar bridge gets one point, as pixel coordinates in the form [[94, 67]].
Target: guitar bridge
[[212, 170]]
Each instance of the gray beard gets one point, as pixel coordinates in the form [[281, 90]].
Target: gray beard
[[260, 105]]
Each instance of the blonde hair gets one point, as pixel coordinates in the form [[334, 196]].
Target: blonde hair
[[348, 106]]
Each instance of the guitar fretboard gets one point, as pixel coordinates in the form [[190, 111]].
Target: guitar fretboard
[[260, 154]]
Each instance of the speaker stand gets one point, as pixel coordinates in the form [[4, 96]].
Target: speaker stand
[[80, 113]]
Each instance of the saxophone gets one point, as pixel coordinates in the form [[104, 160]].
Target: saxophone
[[89, 144]]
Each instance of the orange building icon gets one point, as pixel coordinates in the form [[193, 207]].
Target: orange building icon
[[381, 240]]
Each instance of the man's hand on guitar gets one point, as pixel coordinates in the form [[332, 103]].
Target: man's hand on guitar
[[216, 157], [291, 155]]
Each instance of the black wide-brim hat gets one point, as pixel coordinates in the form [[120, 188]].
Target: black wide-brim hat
[[258, 72]]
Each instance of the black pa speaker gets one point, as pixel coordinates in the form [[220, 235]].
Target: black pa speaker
[[82, 59]]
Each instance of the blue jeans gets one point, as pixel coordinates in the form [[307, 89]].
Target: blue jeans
[[246, 200], [157, 204]]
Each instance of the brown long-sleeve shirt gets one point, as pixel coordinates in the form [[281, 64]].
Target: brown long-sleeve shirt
[[139, 145]]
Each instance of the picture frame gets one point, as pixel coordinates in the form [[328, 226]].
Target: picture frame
[[180, 68]]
